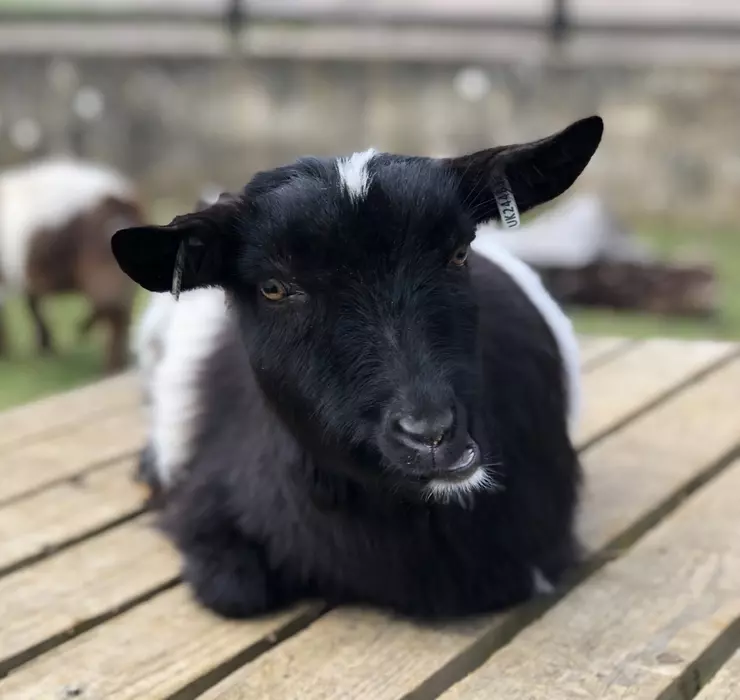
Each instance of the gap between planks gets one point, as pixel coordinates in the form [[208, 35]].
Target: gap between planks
[[649, 626], [52, 601], [30, 468], [643, 377], [596, 350], [54, 414], [382, 624], [67, 513], [725, 685]]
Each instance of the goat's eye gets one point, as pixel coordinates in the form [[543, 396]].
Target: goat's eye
[[460, 256], [274, 290]]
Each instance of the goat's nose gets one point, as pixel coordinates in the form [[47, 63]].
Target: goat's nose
[[424, 431]]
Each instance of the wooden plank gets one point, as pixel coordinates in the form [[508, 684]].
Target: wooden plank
[[45, 602], [473, 633], [642, 375], [32, 466], [67, 512], [170, 642], [631, 476], [61, 411], [726, 684], [133, 671], [595, 348], [646, 626]]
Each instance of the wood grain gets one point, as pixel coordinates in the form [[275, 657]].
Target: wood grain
[[726, 684], [642, 375], [61, 411], [640, 625], [629, 477], [70, 590], [34, 465], [151, 652], [67, 512], [639, 469]]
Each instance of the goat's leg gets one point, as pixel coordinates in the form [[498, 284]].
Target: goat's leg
[[43, 336], [228, 572]]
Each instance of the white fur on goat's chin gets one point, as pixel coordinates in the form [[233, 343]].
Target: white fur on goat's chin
[[560, 325], [444, 491], [47, 194], [173, 342], [353, 173]]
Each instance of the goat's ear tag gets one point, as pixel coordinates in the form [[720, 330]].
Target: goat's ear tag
[[507, 207], [179, 267]]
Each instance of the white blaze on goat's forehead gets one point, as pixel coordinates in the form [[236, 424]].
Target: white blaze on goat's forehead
[[47, 194], [353, 173]]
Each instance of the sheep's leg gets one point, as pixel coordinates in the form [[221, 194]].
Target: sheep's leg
[[119, 319], [43, 336], [227, 572]]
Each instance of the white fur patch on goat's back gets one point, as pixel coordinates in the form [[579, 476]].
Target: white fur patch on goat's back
[[560, 325], [194, 325], [353, 173], [47, 194]]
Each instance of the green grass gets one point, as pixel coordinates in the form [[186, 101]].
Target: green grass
[[25, 376], [722, 248]]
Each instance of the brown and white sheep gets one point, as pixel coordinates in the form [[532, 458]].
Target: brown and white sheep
[[57, 217]]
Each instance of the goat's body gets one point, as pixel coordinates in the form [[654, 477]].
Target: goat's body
[[376, 416], [263, 520], [56, 221]]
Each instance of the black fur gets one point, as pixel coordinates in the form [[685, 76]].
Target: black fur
[[294, 488]]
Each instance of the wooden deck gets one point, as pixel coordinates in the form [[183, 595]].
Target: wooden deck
[[91, 606]]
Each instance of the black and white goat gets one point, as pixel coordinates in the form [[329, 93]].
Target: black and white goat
[[57, 217], [351, 403]]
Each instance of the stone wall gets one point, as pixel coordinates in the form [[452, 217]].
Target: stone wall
[[672, 143]]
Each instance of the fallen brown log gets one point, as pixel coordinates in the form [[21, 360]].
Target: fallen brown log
[[674, 289]]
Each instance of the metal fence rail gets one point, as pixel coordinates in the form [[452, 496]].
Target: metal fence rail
[[559, 18]]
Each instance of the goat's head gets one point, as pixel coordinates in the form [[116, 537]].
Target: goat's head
[[350, 282]]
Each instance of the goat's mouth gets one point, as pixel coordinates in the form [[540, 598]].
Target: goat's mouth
[[460, 469], [459, 480]]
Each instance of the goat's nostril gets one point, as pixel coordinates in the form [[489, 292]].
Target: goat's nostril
[[429, 431]]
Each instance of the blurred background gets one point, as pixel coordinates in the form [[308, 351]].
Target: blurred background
[[184, 96]]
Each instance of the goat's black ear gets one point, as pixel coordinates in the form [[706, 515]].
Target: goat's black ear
[[533, 173], [148, 254]]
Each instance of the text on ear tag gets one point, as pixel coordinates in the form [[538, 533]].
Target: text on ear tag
[[507, 208], [179, 266]]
